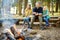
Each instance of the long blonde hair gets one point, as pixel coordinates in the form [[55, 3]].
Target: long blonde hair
[[45, 8]]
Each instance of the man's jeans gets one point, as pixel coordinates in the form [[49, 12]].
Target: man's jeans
[[40, 20]]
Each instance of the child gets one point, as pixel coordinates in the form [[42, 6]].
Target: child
[[46, 16], [28, 12]]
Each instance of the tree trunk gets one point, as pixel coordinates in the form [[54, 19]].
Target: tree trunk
[[19, 6], [34, 3], [48, 4], [25, 3], [57, 3]]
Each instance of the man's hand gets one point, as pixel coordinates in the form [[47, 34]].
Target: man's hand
[[40, 14], [36, 14]]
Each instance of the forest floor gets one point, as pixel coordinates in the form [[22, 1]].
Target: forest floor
[[52, 33]]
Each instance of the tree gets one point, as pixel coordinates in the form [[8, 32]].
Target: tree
[[25, 3], [48, 4], [19, 6], [57, 3], [33, 2]]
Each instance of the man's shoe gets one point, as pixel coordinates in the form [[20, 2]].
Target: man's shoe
[[42, 28], [30, 27]]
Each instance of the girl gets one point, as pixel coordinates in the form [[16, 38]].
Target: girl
[[46, 16]]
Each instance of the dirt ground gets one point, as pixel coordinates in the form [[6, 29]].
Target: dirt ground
[[53, 33]]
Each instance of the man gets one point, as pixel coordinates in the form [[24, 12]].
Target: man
[[37, 12]]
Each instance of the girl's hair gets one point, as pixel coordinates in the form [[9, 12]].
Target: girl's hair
[[45, 7], [29, 5]]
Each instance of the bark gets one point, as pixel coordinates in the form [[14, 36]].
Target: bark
[[48, 4], [57, 3], [19, 6], [25, 3], [34, 3]]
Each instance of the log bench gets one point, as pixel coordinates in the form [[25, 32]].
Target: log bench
[[58, 23], [53, 20]]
